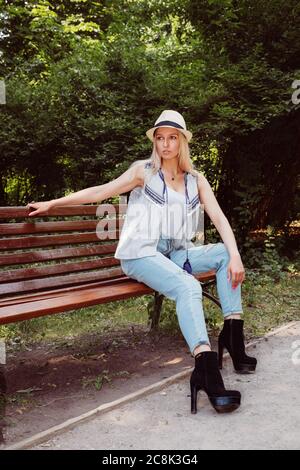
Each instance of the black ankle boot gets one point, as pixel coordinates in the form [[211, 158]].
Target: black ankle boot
[[206, 376], [232, 338]]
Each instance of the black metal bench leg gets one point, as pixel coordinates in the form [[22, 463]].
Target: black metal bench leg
[[211, 297], [208, 295], [156, 310]]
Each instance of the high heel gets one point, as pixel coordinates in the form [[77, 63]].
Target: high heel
[[206, 376], [232, 338], [194, 391], [220, 354]]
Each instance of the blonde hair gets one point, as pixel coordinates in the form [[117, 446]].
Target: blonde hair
[[184, 159]]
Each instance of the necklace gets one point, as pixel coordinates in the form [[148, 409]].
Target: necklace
[[173, 177]]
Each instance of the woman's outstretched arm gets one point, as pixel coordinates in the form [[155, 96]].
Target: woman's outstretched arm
[[126, 182]]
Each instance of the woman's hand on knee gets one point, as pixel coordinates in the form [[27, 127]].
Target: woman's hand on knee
[[235, 271]]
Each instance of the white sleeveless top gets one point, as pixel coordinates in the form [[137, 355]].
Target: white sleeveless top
[[155, 211]]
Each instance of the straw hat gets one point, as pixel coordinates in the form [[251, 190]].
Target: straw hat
[[169, 118]]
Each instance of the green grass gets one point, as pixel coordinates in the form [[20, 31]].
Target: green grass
[[270, 303], [267, 303], [100, 318]]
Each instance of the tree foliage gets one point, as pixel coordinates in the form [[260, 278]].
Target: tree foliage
[[86, 79]]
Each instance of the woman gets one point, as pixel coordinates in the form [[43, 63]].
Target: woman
[[156, 248]]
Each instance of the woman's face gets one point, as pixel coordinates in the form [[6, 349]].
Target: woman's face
[[167, 142]]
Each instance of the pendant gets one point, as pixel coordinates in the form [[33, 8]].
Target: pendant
[[187, 267]]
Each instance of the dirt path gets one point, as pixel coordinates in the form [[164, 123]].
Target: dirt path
[[268, 418], [48, 384]]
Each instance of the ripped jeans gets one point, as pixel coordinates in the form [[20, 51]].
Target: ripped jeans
[[163, 273]]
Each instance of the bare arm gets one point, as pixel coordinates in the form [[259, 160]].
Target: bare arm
[[215, 213], [131, 178]]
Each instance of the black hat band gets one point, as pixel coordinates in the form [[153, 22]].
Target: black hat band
[[169, 123]]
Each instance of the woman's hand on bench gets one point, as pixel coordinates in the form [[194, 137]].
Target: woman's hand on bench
[[40, 207]]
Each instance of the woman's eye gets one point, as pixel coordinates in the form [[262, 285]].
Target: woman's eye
[[172, 137]]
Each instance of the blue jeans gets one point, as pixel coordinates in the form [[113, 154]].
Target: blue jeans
[[163, 272]]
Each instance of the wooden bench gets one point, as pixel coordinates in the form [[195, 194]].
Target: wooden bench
[[64, 261]]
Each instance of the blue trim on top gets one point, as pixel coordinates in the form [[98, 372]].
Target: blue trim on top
[[195, 203], [153, 195]]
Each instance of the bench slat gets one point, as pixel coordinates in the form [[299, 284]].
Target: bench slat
[[72, 301], [59, 226], [48, 294], [37, 284], [54, 269], [201, 277], [47, 255], [50, 240], [16, 212]]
